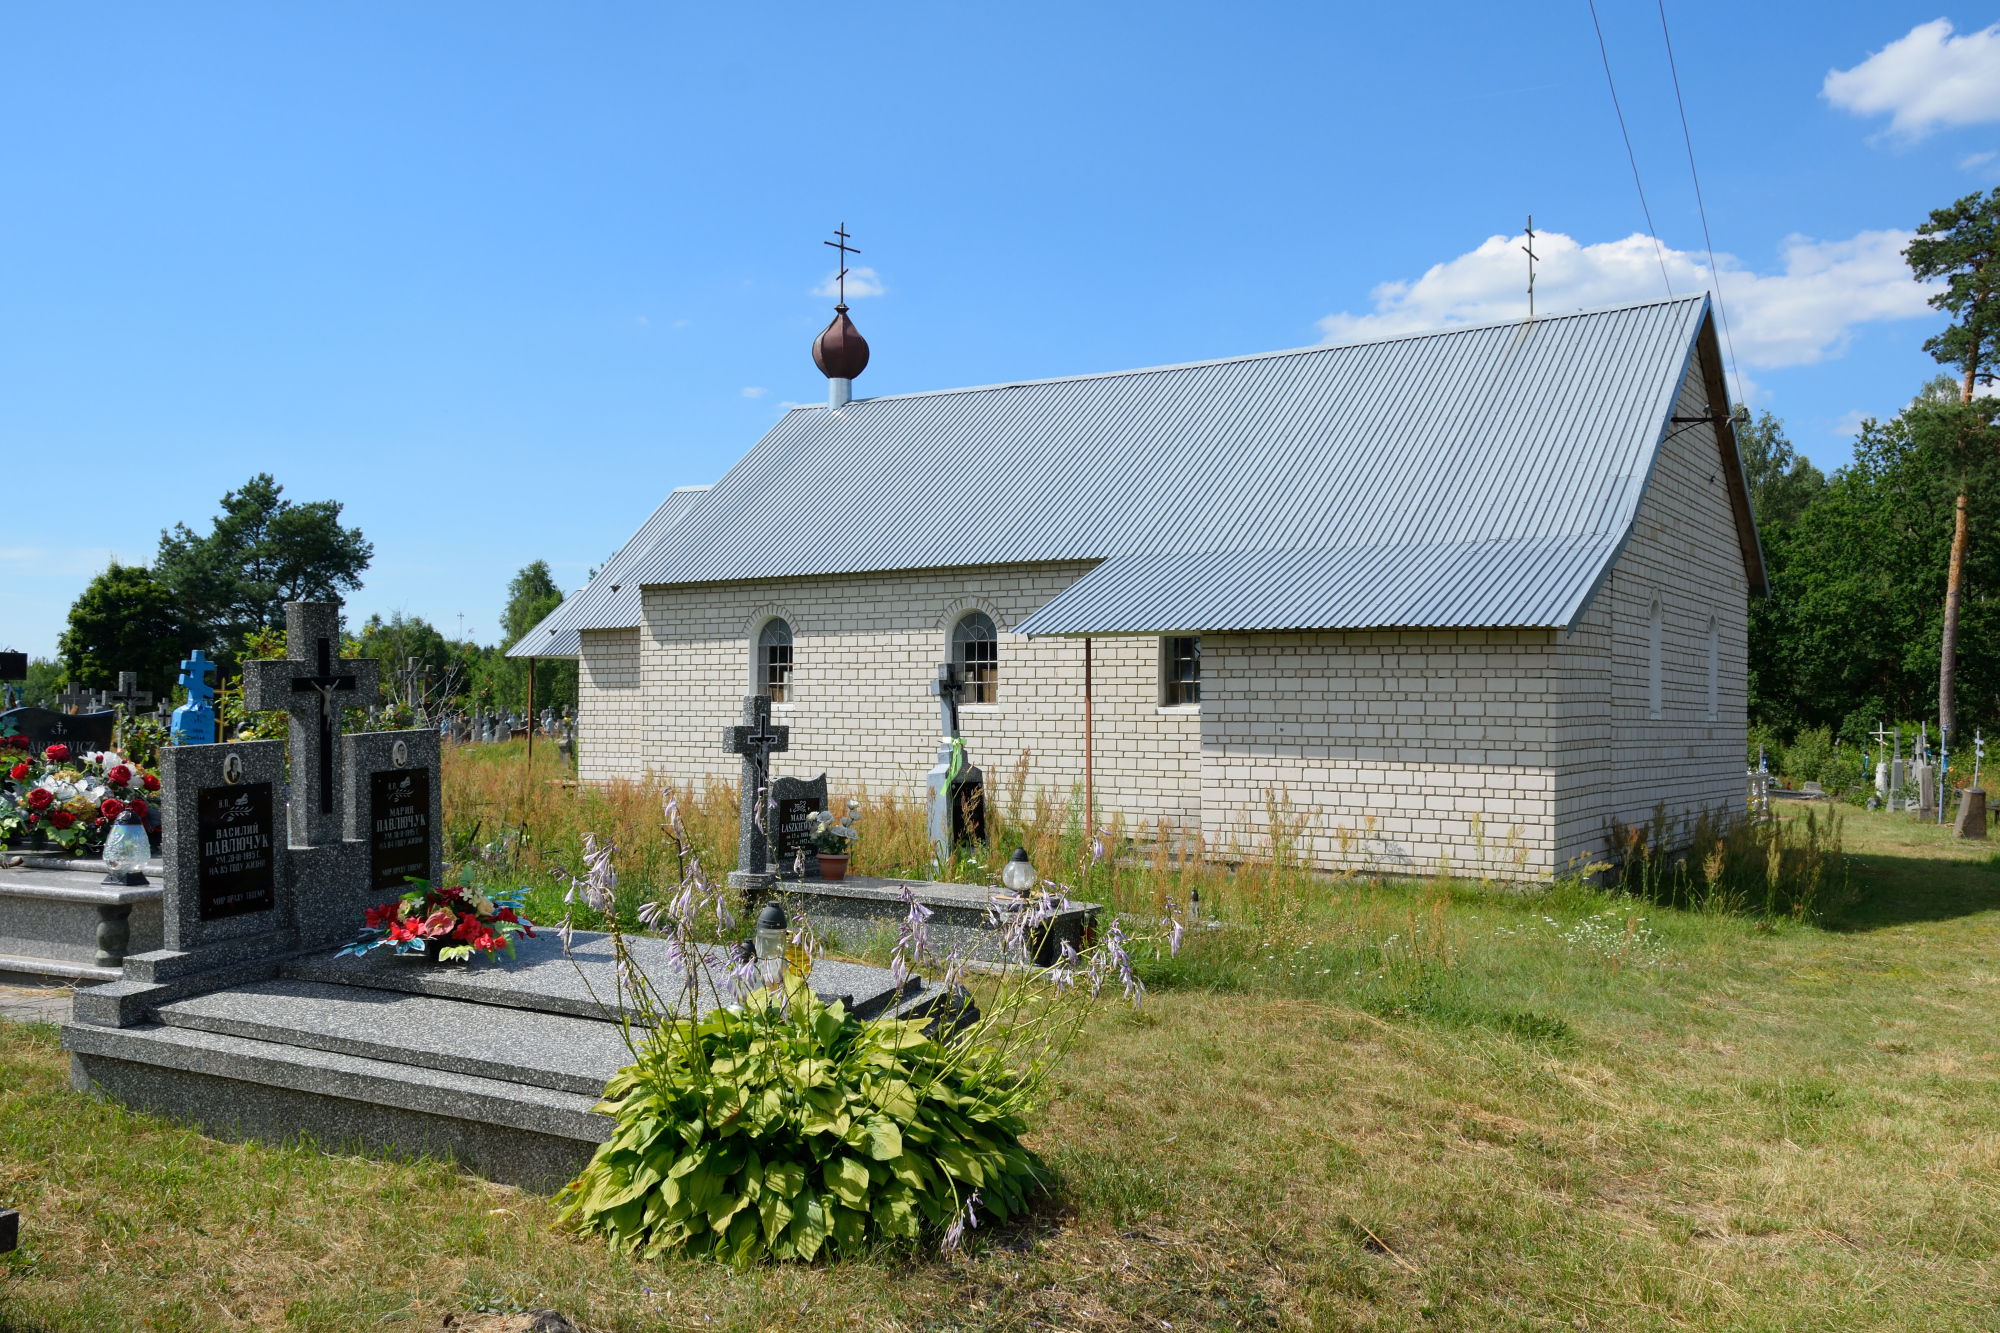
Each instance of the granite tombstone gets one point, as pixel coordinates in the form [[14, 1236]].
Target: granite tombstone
[[81, 732], [794, 802]]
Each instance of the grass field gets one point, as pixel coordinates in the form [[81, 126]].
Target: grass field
[[1424, 1104]]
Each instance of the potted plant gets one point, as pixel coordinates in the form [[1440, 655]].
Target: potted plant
[[834, 840]]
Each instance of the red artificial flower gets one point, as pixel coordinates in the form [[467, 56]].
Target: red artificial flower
[[505, 914], [18, 772], [119, 776], [34, 819], [103, 823], [439, 924], [140, 808], [62, 819], [40, 798], [56, 753], [21, 743], [150, 782], [111, 807], [467, 929]]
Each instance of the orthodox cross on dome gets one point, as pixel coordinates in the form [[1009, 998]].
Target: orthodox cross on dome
[[845, 250], [315, 685]]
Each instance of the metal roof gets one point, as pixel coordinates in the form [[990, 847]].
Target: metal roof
[[1473, 476], [611, 599]]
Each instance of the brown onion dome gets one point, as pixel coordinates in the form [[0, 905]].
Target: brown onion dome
[[840, 351]]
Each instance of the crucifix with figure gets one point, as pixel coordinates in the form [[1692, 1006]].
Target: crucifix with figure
[[756, 741], [314, 684]]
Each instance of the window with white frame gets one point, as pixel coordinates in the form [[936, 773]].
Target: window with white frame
[[1654, 633], [1180, 671], [975, 647], [774, 660], [1714, 669]]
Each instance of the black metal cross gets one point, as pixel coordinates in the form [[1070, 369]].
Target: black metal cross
[[315, 685], [756, 740], [845, 250], [325, 683]]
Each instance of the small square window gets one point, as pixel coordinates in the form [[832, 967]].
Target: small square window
[[1181, 678]]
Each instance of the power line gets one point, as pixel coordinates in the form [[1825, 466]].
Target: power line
[[1630, 156], [1714, 273]]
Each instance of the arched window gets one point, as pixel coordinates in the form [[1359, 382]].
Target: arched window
[[975, 647], [1654, 633], [774, 660]]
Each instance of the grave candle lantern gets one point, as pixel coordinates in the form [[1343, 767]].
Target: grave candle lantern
[[772, 932], [126, 849], [1020, 874]]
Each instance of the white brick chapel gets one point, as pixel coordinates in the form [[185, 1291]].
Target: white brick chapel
[[1472, 594]]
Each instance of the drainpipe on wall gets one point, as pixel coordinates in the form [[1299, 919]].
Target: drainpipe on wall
[[1089, 796]]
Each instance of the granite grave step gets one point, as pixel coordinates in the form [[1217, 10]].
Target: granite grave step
[[237, 1087], [512, 1045]]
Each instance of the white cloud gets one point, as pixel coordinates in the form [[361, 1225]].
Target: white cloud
[[1925, 78], [752, 391], [860, 282], [1971, 160], [641, 321], [1849, 426], [1797, 317]]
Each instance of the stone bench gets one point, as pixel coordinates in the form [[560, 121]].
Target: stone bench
[[60, 921], [848, 912]]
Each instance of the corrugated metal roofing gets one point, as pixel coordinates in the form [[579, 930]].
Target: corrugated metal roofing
[[611, 599], [1474, 476]]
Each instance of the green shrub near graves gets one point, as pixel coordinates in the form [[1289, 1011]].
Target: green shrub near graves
[[790, 1128]]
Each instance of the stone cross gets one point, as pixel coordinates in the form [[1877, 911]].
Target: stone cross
[[73, 700], [756, 741], [128, 697], [314, 684]]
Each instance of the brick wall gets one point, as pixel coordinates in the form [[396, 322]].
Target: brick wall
[[865, 649], [1615, 761], [610, 719], [1394, 749]]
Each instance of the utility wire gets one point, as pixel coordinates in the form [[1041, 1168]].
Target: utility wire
[[1629, 154], [1714, 273]]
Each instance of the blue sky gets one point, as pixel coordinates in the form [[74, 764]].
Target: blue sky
[[498, 277]]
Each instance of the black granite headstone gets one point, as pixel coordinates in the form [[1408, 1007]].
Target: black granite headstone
[[44, 727], [399, 828], [13, 666], [237, 870], [791, 825]]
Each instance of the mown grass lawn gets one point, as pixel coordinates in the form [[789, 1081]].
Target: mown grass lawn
[[1413, 1105]]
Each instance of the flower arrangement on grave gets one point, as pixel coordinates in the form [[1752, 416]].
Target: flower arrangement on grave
[[67, 803], [452, 922], [759, 1122]]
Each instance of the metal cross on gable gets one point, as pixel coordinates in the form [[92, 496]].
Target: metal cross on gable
[[314, 684]]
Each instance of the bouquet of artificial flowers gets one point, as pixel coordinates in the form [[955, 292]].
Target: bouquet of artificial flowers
[[452, 922], [67, 803]]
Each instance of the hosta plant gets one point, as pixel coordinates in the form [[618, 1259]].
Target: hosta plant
[[787, 1127], [761, 1122]]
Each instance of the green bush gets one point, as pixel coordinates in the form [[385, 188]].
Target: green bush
[[790, 1127]]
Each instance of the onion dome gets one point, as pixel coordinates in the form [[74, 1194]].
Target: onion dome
[[840, 351]]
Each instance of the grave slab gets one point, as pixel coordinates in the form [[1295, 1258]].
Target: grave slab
[[64, 923], [962, 915]]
